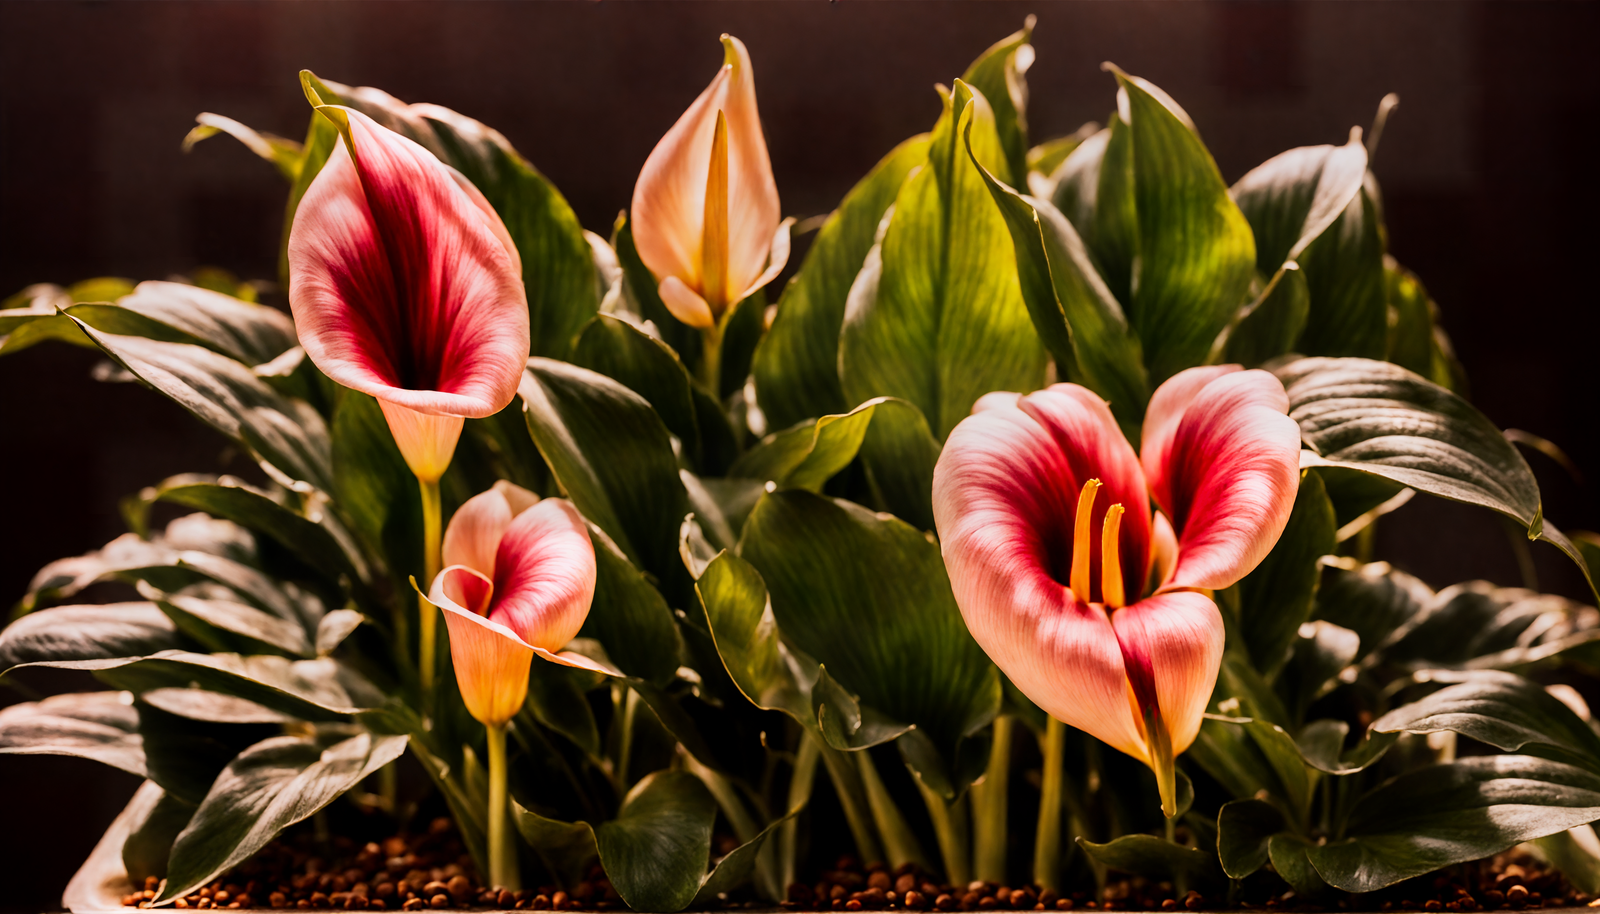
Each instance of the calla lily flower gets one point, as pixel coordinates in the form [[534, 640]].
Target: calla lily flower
[[405, 285], [1098, 609], [705, 211], [518, 581]]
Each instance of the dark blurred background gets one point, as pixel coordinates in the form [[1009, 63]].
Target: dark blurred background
[[1487, 170]]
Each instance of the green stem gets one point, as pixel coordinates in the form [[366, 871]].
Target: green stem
[[502, 862], [853, 798], [1047, 843], [630, 709], [431, 559], [897, 837], [1180, 879], [989, 807], [711, 358], [805, 773], [949, 826]]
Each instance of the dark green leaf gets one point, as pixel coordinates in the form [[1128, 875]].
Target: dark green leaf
[[1290, 857], [900, 453], [1381, 419], [867, 596], [244, 627], [629, 617], [612, 456], [656, 850], [1277, 597], [1244, 830], [848, 725], [1416, 341], [737, 866], [1195, 253], [1273, 326], [797, 364], [1293, 197], [269, 787], [809, 454], [998, 73], [1321, 742], [1374, 601], [556, 700], [649, 368], [1447, 814], [1503, 710], [746, 635], [1153, 858], [742, 331], [102, 726], [1075, 313], [1320, 654], [1344, 273], [1479, 624], [87, 634], [566, 848], [180, 313], [319, 545], [936, 316], [287, 434], [309, 689]]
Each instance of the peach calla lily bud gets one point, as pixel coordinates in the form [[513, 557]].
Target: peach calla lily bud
[[518, 584], [705, 210], [1099, 611], [405, 285]]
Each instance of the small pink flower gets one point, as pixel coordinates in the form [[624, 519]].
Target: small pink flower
[[1099, 610], [518, 582], [705, 211], [405, 285]]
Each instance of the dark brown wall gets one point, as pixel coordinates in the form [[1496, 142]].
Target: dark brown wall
[[1487, 169]]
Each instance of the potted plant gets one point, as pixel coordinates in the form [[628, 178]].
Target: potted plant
[[1057, 460]]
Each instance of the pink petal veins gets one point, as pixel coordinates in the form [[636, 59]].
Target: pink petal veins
[[1229, 478], [401, 285], [544, 575]]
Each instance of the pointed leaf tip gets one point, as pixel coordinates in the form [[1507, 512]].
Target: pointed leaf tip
[[308, 82]]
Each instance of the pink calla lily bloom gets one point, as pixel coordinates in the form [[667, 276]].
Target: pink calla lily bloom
[[1099, 610], [705, 211], [518, 581], [405, 285]]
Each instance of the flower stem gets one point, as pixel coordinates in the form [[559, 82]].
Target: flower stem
[[429, 617], [1047, 844], [852, 796], [502, 856], [805, 772], [989, 807], [898, 840], [950, 826], [711, 359]]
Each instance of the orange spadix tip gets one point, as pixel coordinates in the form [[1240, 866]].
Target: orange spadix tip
[[1082, 545]]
